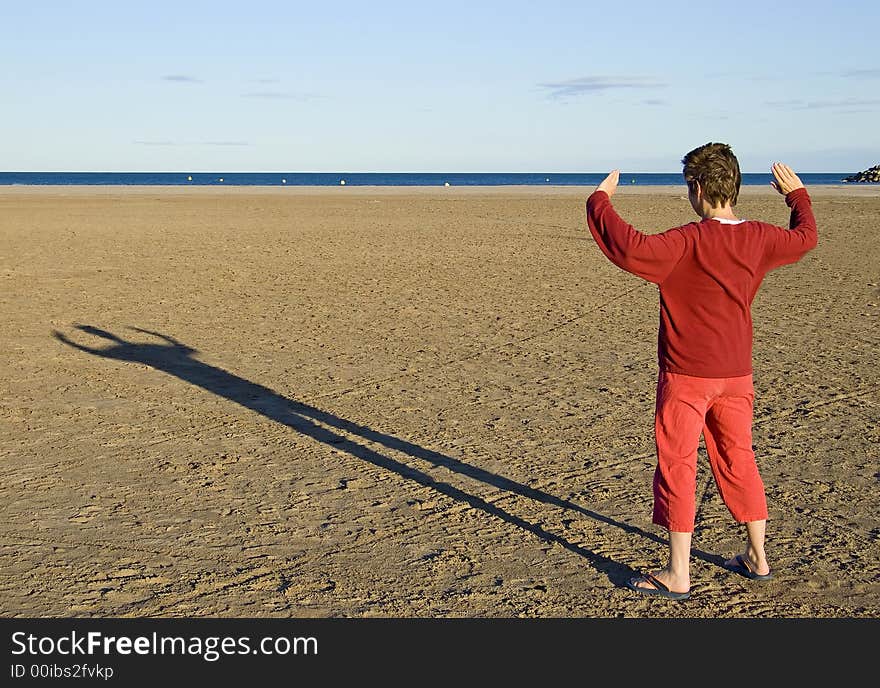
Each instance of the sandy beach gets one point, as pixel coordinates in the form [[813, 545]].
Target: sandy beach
[[404, 402]]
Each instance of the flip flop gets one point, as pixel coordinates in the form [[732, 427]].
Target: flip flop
[[743, 569], [659, 589]]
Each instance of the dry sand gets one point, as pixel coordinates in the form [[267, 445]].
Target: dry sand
[[366, 401]]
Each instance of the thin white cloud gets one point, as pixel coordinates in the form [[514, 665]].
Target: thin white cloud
[[844, 103], [166, 142], [182, 78], [596, 84], [863, 73], [279, 95]]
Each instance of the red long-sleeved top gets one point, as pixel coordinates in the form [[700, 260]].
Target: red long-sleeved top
[[708, 273]]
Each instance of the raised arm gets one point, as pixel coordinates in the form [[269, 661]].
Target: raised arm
[[651, 257], [802, 236]]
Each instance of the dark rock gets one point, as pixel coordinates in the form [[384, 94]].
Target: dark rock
[[870, 176]]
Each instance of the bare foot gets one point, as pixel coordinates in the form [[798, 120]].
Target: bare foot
[[752, 568], [672, 583]]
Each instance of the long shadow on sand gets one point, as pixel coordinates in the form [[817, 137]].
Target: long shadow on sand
[[176, 359]]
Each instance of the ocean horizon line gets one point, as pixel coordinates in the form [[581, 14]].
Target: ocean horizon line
[[389, 172], [219, 178]]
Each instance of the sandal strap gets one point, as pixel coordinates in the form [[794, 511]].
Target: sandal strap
[[744, 563], [653, 580]]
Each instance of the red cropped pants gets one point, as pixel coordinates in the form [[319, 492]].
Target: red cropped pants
[[721, 410]]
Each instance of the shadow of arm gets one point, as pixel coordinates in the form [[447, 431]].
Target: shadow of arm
[[64, 340]]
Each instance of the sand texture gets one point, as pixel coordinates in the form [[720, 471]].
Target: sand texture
[[404, 403]]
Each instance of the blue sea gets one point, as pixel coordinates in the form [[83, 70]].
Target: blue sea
[[372, 178]]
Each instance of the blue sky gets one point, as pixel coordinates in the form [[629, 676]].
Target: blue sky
[[436, 87]]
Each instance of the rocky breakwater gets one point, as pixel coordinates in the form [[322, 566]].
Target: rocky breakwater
[[871, 175]]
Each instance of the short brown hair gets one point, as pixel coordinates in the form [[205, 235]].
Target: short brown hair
[[716, 168]]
